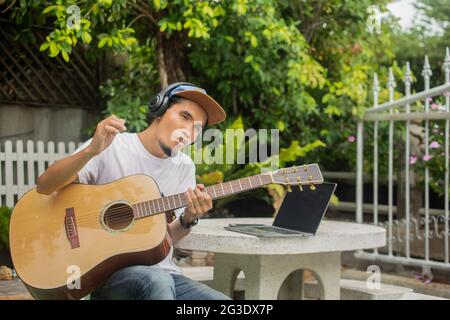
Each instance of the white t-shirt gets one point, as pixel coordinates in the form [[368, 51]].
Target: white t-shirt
[[125, 156]]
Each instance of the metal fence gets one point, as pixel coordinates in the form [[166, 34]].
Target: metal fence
[[421, 240]]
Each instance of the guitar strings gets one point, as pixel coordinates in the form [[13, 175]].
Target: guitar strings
[[116, 213], [126, 206], [121, 213], [122, 209], [89, 215]]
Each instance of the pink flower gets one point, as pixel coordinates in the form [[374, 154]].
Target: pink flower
[[434, 106], [436, 130], [412, 159], [429, 99], [351, 139], [427, 157], [434, 145]]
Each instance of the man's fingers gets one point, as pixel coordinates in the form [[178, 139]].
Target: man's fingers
[[188, 199], [200, 195], [111, 129], [117, 124], [204, 199], [196, 201], [194, 205]]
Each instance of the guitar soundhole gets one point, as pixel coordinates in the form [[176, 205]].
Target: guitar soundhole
[[118, 216]]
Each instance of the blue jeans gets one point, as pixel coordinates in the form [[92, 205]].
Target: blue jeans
[[152, 283]]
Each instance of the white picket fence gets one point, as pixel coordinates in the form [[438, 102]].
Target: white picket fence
[[20, 167]]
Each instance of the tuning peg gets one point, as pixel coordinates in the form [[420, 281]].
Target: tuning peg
[[312, 187], [289, 188], [300, 187]]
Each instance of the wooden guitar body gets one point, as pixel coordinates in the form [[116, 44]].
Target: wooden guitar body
[[67, 244]]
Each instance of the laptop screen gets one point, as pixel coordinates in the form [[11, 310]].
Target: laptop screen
[[303, 210]]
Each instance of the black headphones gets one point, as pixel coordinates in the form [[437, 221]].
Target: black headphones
[[159, 103]]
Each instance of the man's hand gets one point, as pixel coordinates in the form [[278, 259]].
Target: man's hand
[[105, 133], [199, 202]]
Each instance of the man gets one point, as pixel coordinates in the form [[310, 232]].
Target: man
[[179, 112]]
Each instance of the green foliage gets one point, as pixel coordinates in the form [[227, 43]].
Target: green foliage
[[127, 96], [436, 161], [212, 172], [5, 216], [305, 67]]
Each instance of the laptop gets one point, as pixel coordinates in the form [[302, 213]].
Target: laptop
[[299, 214]]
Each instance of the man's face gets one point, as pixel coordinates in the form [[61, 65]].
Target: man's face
[[180, 126]]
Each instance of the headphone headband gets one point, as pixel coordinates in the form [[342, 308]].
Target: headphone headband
[[160, 102]]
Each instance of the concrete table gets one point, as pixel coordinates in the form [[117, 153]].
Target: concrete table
[[274, 267]]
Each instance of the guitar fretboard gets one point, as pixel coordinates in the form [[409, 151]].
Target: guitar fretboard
[[172, 202]]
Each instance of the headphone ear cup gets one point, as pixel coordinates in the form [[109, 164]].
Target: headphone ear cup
[[159, 103], [163, 103], [154, 105]]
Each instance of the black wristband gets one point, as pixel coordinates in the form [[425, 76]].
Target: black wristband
[[187, 226]]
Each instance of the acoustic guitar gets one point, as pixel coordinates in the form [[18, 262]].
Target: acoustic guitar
[[67, 244]]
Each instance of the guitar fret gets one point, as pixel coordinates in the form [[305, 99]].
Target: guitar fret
[[168, 203], [240, 185], [157, 202], [179, 198], [231, 186], [149, 207], [140, 210], [214, 190], [173, 200], [144, 204], [137, 210], [249, 181], [222, 189], [154, 206], [145, 208], [260, 181]]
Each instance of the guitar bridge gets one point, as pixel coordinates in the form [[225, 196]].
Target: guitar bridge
[[71, 228]]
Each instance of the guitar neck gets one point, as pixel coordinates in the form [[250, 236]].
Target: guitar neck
[[220, 190]]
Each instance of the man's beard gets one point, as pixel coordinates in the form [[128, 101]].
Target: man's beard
[[168, 151]]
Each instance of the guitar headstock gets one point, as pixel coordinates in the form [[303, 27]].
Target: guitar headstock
[[308, 174]]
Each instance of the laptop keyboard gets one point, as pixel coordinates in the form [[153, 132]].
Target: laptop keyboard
[[278, 230]]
